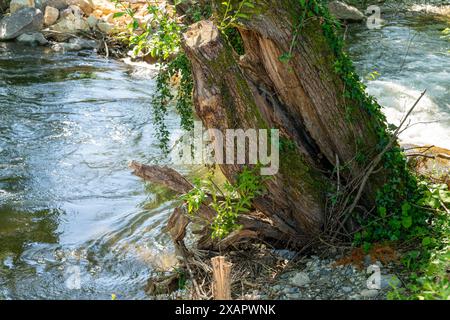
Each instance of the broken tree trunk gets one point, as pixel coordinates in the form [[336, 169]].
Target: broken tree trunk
[[304, 99], [322, 126]]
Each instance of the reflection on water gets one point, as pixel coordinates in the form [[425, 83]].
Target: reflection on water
[[69, 125], [410, 56]]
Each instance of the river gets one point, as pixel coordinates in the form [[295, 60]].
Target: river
[[74, 222]]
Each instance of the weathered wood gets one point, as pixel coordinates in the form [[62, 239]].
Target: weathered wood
[[303, 99], [221, 278], [164, 176], [177, 224], [254, 225]]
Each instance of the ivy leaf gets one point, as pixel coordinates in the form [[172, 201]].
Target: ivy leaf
[[407, 222], [426, 241], [382, 211]]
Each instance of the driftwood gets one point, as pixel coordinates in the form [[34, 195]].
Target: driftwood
[[253, 227]]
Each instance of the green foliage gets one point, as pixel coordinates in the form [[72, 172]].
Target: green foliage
[[158, 37], [234, 12], [407, 211], [180, 96], [229, 201], [429, 261]]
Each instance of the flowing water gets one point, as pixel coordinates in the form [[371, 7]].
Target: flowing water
[[410, 55], [74, 222]]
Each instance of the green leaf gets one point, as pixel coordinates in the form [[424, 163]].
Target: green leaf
[[407, 222], [445, 196], [426, 241], [118, 14], [382, 212]]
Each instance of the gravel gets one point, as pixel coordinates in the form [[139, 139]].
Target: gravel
[[316, 278]]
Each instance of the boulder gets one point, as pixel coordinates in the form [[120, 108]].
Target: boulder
[[51, 15], [105, 27], [67, 26], [58, 4], [343, 11], [72, 9], [20, 22], [17, 5], [32, 38], [86, 5], [76, 44], [92, 21]]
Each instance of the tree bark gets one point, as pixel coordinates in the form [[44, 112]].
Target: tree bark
[[303, 99]]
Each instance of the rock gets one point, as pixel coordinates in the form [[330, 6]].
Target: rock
[[109, 18], [92, 21], [367, 260], [75, 44], [33, 38], [343, 11], [51, 15], [301, 279], [346, 289], [22, 21], [76, 10], [389, 281], [294, 296], [86, 5], [68, 25], [105, 27], [84, 43], [16, 5], [58, 4], [366, 293]]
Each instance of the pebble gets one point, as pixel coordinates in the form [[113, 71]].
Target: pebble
[[320, 279], [301, 279], [366, 293], [347, 289]]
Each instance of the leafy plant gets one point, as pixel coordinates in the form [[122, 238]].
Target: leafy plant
[[229, 201], [232, 13]]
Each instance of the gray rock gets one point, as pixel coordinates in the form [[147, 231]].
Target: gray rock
[[366, 293], [285, 254], [343, 11], [92, 21], [325, 272], [76, 44], [367, 260], [301, 279], [389, 281], [105, 27], [58, 4], [23, 21], [17, 5], [293, 296], [32, 38], [346, 289], [70, 24]]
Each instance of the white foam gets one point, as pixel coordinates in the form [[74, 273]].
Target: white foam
[[428, 124]]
